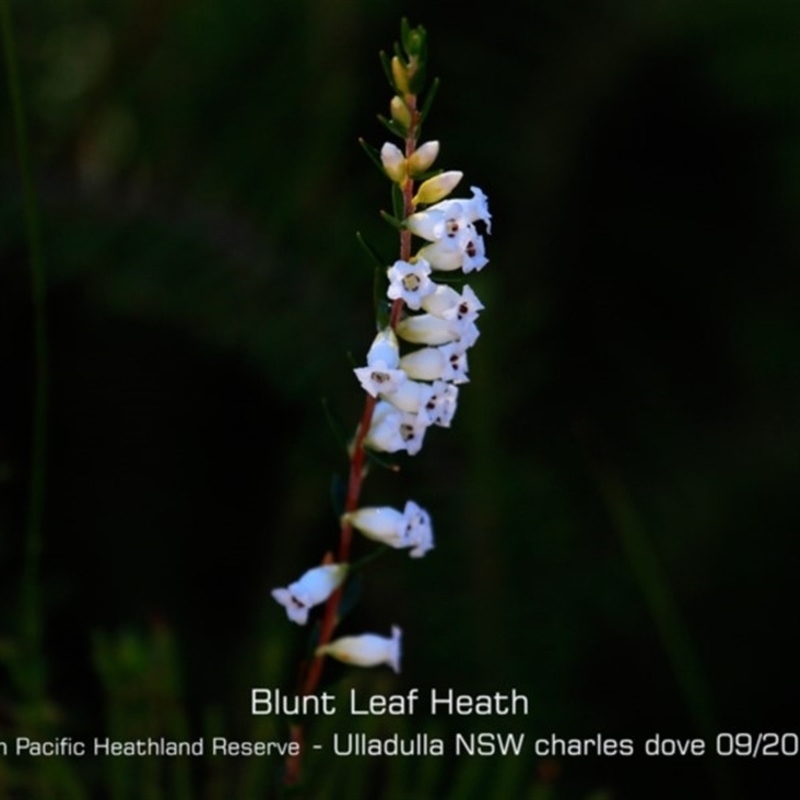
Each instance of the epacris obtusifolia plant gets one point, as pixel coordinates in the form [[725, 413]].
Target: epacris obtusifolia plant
[[415, 365]]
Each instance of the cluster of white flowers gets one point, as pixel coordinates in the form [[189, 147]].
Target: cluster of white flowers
[[413, 389], [420, 388], [315, 586]]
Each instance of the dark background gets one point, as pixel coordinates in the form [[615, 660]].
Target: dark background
[[616, 505]]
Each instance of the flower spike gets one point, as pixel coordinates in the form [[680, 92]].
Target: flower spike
[[415, 365]]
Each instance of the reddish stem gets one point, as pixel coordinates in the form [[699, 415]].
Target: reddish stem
[[309, 682]]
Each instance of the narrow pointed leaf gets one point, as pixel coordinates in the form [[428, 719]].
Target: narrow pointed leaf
[[371, 251], [351, 595], [393, 221], [335, 424], [382, 307], [338, 494], [386, 63], [405, 31], [392, 127], [417, 82], [397, 200], [428, 102], [381, 461], [373, 155], [455, 278], [432, 173], [362, 562]]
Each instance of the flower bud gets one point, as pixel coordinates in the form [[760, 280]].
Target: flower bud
[[409, 396], [367, 650], [410, 528], [379, 523], [400, 76], [394, 163], [384, 431], [385, 348], [438, 187], [427, 329], [441, 301], [400, 113], [422, 158], [466, 251], [425, 364]]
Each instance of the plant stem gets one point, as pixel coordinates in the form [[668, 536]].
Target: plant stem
[[309, 682]]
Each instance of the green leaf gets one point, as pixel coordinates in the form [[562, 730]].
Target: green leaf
[[371, 251], [350, 596], [373, 155], [386, 63], [458, 279], [428, 102], [392, 127], [393, 221], [335, 424], [362, 562], [381, 461], [405, 32], [416, 82], [398, 204], [338, 494], [313, 639], [382, 308], [431, 173], [414, 39]]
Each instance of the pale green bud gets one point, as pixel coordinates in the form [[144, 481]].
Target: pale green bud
[[400, 112], [435, 189], [400, 75], [394, 163], [422, 158]]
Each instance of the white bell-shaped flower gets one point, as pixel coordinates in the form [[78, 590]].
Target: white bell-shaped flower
[[447, 303], [386, 348], [409, 396], [464, 249], [410, 282], [425, 364], [367, 650], [392, 430], [313, 588], [379, 378], [419, 532], [409, 528], [427, 329], [455, 356], [441, 407], [381, 373], [446, 218], [380, 524]]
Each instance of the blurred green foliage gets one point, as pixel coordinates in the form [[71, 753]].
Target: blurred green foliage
[[200, 183]]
